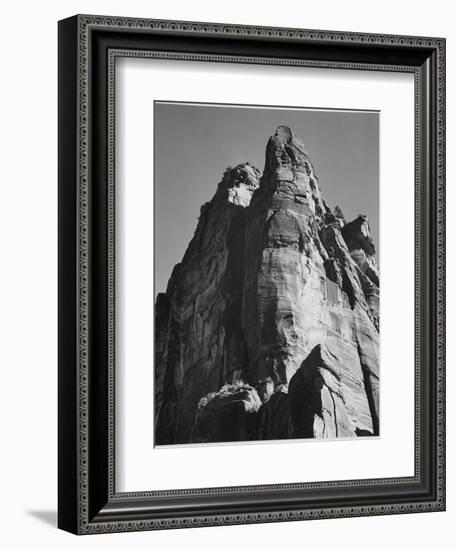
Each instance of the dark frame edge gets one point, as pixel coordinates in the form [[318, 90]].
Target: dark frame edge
[[195, 27], [68, 471]]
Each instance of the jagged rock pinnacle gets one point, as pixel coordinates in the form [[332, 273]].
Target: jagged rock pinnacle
[[239, 183]]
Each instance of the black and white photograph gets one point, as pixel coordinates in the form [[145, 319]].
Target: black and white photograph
[[266, 273]]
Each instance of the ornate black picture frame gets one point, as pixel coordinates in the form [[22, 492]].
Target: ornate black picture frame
[[88, 47]]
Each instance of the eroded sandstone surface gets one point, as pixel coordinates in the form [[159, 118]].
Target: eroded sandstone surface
[[269, 328]]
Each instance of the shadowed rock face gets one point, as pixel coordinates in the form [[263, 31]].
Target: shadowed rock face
[[269, 328], [227, 415], [325, 396]]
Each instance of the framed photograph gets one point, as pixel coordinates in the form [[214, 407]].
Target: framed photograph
[[251, 274]]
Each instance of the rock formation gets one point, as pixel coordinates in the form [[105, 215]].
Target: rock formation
[[269, 328]]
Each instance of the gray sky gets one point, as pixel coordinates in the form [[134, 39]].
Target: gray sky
[[195, 143]]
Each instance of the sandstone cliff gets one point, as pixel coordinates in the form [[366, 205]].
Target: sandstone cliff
[[269, 328]]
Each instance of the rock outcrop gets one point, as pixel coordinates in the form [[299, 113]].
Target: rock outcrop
[[269, 328]]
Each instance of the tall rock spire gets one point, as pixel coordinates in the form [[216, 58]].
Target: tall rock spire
[[269, 327]]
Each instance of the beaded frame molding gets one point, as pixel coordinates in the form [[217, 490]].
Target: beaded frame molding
[[88, 48]]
